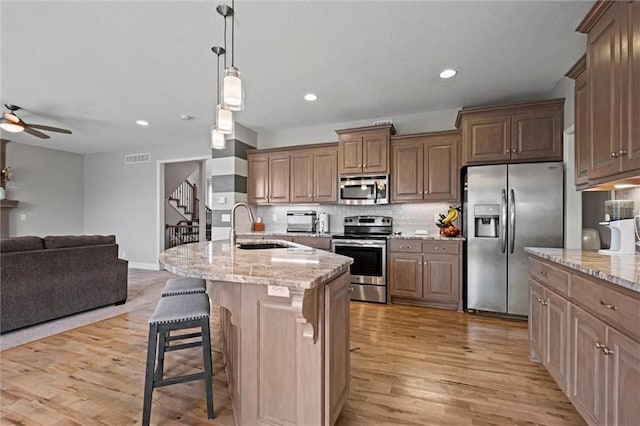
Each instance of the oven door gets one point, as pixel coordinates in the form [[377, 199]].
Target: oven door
[[369, 260]]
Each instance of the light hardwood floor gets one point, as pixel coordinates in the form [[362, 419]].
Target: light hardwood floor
[[409, 365]]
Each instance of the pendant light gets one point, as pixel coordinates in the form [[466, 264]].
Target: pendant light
[[224, 117], [218, 140], [232, 88]]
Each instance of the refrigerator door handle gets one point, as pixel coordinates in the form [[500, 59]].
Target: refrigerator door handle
[[512, 220], [503, 221]]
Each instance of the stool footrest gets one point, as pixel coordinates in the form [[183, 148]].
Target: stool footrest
[[183, 336], [179, 379], [183, 346]]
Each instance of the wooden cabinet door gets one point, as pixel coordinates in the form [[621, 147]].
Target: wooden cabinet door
[[537, 135], [487, 140], [407, 181], [441, 281], [325, 166], [350, 154], [623, 379], [603, 69], [302, 173], [279, 178], [631, 86], [587, 363], [375, 149], [536, 320], [258, 180], [441, 168], [581, 137], [405, 275], [337, 346], [556, 337]]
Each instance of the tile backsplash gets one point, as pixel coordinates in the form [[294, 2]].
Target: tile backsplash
[[406, 217], [629, 194]]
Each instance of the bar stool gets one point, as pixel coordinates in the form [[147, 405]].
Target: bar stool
[[171, 314], [184, 285]]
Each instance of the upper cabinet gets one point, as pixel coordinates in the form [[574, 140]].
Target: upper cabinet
[[611, 87], [425, 167], [364, 150], [314, 175], [512, 133], [268, 181], [582, 148]]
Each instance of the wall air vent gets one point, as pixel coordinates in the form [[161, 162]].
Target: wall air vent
[[137, 158], [382, 122]]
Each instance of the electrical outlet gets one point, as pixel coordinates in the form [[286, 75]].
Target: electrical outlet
[[23, 217], [226, 218], [275, 218], [222, 200], [278, 291], [123, 254]]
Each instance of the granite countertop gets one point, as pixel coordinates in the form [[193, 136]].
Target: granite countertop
[[284, 234], [297, 266], [623, 270], [402, 236], [429, 237]]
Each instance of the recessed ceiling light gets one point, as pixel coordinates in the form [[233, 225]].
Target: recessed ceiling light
[[310, 97], [142, 123], [185, 117], [448, 73]]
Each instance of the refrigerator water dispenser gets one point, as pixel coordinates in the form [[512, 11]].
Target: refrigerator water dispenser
[[486, 220]]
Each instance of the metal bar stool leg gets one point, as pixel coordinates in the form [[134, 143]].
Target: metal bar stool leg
[[149, 373], [208, 370]]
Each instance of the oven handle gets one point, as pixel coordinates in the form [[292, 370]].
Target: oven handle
[[352, 243]]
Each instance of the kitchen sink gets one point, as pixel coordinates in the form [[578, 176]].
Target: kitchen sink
[[261, 246]]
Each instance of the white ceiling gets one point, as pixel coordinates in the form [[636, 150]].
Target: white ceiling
[[97, 67]]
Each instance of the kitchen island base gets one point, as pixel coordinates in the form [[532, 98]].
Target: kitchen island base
[[286, 355]]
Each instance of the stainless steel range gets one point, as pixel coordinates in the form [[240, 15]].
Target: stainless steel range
[[365, 241]]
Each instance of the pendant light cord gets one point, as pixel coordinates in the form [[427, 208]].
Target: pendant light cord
[[218, 80], [225, 42], [233, 25]]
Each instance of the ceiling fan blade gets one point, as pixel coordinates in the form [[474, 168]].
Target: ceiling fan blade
[[36, 133], [48, 128], [10, 117]]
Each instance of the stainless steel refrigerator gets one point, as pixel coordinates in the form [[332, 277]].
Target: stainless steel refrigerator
[[508, 208]]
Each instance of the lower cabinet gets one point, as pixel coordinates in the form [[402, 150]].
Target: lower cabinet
[[595, 363], [419, 274]]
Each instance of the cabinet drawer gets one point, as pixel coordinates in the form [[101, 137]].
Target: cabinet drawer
[[441, 247], [550, 276], [407, 246], [322, 243], [620, 310]]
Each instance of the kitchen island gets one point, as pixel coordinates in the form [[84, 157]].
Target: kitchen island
[[284, 326], [584, 327]]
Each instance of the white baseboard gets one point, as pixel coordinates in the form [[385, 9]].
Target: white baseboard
[[147, 266]]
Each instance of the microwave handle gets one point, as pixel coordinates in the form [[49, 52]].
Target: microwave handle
[[375, 192]]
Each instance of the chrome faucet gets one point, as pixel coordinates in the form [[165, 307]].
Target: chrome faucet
[[232, 232]]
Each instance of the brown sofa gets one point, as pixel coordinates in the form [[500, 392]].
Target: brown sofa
[[52, 277]]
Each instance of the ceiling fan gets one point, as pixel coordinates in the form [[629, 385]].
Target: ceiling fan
[[12, 123]]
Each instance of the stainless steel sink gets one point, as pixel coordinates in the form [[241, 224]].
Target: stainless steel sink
[[261, 246]]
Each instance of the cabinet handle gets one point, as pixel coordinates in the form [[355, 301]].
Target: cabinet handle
[[608, 305], [622, 152], [514, 151], [350, 289], [310, 195], [539, 300], [607, 351], [614, 155], [545, 303], [420, 192], [544, 274], [507, 151], [364, 165], [599, 345], [359, 165]]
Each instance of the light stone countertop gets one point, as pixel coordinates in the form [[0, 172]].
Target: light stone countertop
[[623, 270], [297, 266], [283, 234]]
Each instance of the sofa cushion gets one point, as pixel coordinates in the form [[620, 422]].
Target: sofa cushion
[[65, 241], [14, 244]]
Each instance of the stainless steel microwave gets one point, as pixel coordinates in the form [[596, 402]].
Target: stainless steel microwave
[[371, 189]]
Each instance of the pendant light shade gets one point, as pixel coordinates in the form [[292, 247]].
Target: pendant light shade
[[224, 120], [217, 139], [232, 91]]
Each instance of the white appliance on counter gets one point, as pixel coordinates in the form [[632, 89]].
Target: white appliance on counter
[[323, 223], [507, 208]]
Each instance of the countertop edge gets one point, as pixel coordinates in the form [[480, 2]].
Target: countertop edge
[[591, 271]]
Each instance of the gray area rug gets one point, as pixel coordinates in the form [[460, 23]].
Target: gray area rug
[[144, 288]]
